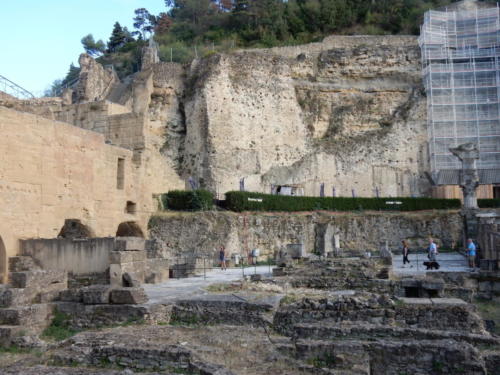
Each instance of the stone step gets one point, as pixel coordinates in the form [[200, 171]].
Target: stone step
[[325, 331], [22, 264], [7, 333], [34, 316]]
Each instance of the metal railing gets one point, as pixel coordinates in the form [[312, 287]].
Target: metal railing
[[11, 88], [183, 267]]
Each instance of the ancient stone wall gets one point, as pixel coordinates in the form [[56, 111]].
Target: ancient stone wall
[[51, 171], [202, 233], [77, 256]]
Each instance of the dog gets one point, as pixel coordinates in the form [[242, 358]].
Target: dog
[[432, 265]]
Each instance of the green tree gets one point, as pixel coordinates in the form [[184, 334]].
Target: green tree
[[144, 22], [118, 38], [55, 89], [163, 24], [92, 47], [72, 75]]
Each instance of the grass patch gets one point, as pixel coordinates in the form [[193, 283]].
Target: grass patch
[[60, 328], [328, 361], [288, 299], [15, 350], [186, 320]]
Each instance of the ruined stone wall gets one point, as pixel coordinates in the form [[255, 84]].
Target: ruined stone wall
[[51, 171], [350, 114], [183, 234]]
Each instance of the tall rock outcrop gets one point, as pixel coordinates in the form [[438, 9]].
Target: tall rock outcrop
[[348, 112]]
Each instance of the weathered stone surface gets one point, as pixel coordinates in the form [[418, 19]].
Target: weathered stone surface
[[132, 296], [36, 315], [37, 279], [157, 270], [119, 257], [271, 233], [22, 263], [130, 244], [95, 316], [71, 295], [95, 294], [130, 279]]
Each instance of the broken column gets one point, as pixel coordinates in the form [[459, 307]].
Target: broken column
[[469, 178], [469, 181], [127, 260]]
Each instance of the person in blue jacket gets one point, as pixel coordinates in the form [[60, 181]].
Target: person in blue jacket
[[471, 253]]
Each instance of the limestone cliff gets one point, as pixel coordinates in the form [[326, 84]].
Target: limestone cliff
[[349, 112]]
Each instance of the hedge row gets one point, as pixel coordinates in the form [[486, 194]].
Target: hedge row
[[190, 200], [246, 201], [488, 203]]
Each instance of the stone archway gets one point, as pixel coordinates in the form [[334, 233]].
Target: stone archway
[[73, 228], [129, 229], [3, 261]]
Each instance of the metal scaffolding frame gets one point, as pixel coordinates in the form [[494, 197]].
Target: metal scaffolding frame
[[460, 60]]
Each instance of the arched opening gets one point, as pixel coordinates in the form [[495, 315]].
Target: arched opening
[[73, 228], [3, 261], [129, 229]]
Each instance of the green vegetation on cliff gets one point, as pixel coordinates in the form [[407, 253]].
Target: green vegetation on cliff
[[191, 28]]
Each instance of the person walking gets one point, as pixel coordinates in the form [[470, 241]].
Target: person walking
[[432, 250], [406, 252], [471, 254], [222, 258]]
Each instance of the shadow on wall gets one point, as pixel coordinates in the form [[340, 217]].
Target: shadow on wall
[[3, 261], [129, 229], [73, 228]]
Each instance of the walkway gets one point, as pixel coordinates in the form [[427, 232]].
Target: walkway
[[195, 286], [449, 262]]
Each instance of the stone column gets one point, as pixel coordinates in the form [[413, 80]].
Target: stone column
[[469, 178]]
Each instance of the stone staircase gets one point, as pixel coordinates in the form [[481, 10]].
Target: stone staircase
[[25, 302]]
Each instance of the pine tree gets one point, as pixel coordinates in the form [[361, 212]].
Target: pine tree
[[72, 74], [117, 39]]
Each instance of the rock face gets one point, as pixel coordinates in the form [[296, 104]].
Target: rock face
[[350, 115], [348, 112], [202, 233], [95, 81]]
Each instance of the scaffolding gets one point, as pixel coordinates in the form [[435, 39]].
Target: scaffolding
[[460, 60]]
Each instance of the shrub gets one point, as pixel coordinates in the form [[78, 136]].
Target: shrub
[[488, 203], [247, 201], [190, 200]]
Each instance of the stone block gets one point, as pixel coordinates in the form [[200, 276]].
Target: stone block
[[495, 287], [120, 257], [115, 275], [279, 271], [22, 264], [96, 294], [71, 295], [130, 244], [485, 286], [157, 270], [36, 315], [38, 280], [138, 256], [128, 296], [256, 277], [130, 280], [433, 284], [8, 333], [13, 297], [410, 283]]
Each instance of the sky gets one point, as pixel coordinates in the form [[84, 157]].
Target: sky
[[39, 39]]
